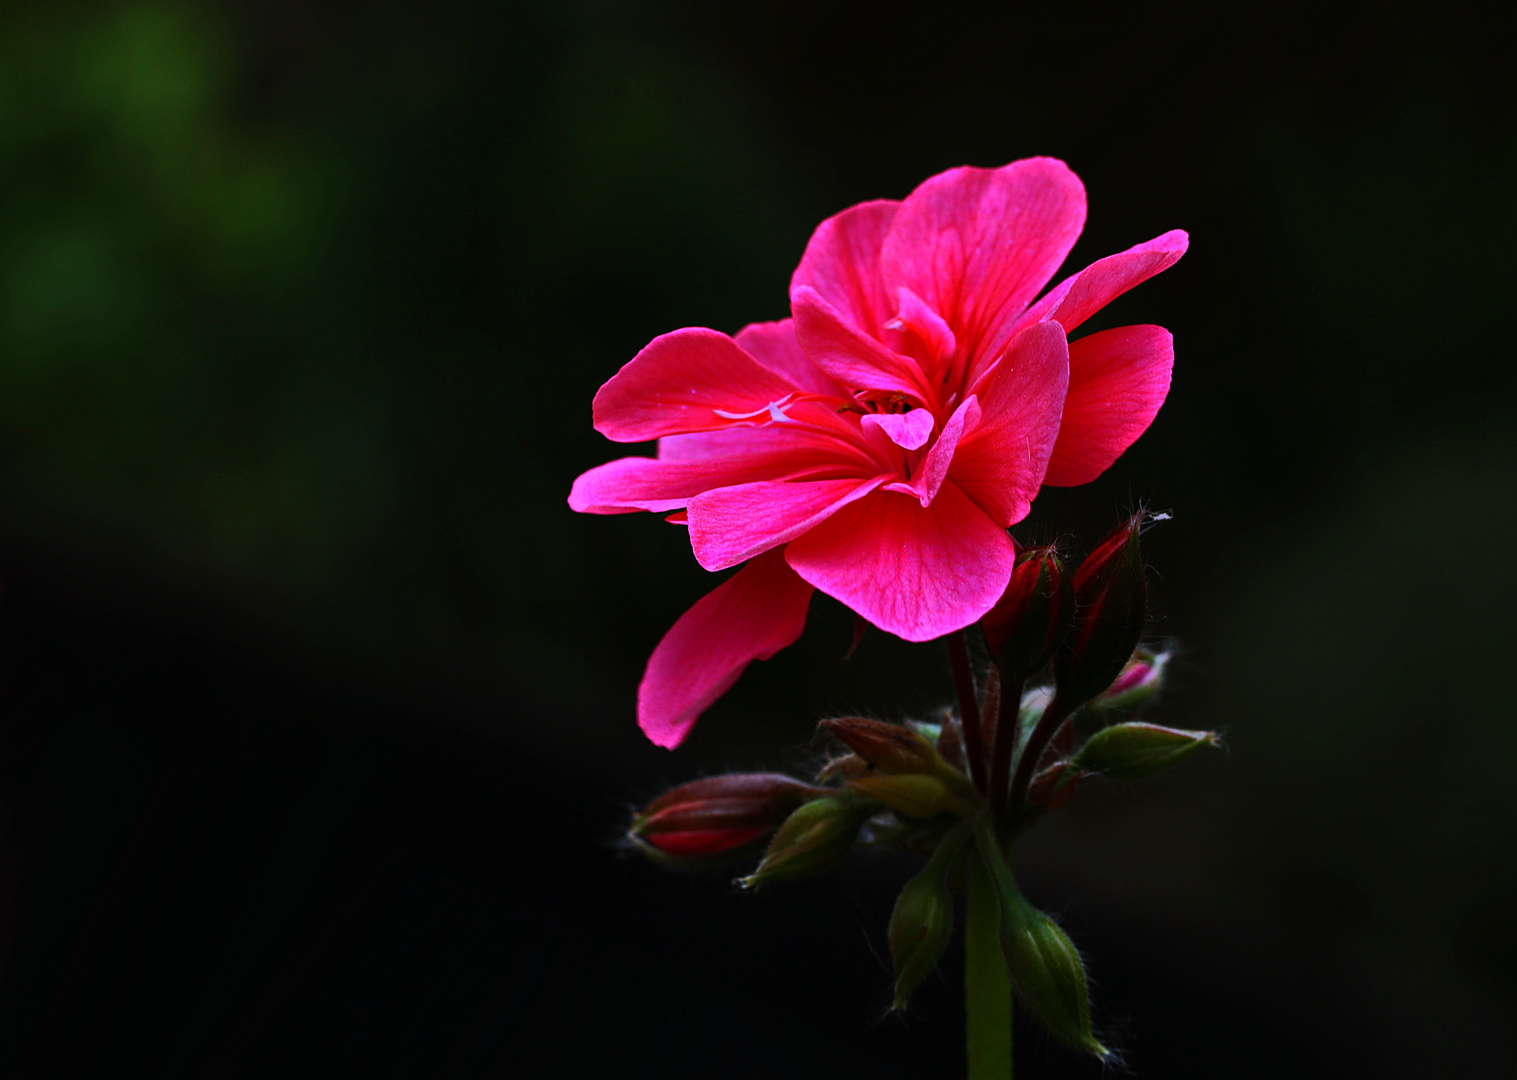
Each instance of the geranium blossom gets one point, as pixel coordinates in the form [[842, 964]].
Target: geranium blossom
[[878, 444]]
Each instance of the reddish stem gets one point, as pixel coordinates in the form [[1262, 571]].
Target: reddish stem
[[969, 706]]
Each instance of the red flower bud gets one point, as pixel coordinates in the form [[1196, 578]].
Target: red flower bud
[[1111, 603], [1027, 625], [717, 815]]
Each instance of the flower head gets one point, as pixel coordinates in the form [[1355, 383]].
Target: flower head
[[878, 444]]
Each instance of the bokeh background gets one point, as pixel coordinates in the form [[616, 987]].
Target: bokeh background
[[316, 721]]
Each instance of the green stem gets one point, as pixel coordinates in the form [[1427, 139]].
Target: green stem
[[987, 987]]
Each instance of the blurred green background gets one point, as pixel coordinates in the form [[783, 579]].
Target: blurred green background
[[301, 310]]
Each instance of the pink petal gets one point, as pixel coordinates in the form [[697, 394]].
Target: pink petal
[[978, 244], [846, 353], [1000, 463], [677, 384], [750, 616], [1117, 381], [934, 467], [915, 316], [909, 430], [640, 483], [732, 524], [773, 344], [1081, 295], [842, 263], [918, 572]]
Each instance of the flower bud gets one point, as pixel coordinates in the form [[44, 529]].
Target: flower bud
[[1110, 606], [916, 795], [1045, 968], [1028, 624], [905, 770], [922, 920], [890, 748], [815, 836], [1140, 680], [1132, 751], [1054, 786], [717, 815]]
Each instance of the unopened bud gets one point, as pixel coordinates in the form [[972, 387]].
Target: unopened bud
[[1140, 680], [1110, 606], [1054, 786], [717, 815], [1133, 751], [1028, 624], [922, 920], [889, 748], [916, 795], [813, 838], [1045, 968], [905, 770]]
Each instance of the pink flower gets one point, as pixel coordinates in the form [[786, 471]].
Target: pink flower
[[878, 444]]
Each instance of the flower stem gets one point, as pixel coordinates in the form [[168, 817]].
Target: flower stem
[[987, 987], [1043, 731], [969, 706]]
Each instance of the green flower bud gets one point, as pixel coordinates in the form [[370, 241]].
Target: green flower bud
[[813, 838], [1132, 751], [914, 795], [922, 921], [1046, 972]]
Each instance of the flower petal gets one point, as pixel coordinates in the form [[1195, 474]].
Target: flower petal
[[908, 430], [773, 344], [677, 384], [934, 467], [842, 263], [750, 616], [731, 524], [1117, 381], [669, 482], [1000, 463], [849, 355], [1081, 295], [978, 244], [918, 572], [914, 316]]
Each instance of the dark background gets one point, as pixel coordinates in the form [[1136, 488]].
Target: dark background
[[316, 721]]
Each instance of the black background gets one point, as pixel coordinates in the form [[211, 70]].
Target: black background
[[316, 726]]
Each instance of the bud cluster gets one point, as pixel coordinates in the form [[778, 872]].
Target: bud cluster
[[1060, 705]]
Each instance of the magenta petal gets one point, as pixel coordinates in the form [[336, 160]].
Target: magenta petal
[[732, 524], [908, 430], [773, 344], [846, 353], [1081, 295], [1000, 464], [918, 572], [671, 480], [978, 244], [842, 263], [679, 382], [750, 616], [1117, 381], [934, 467], [915, 316]]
